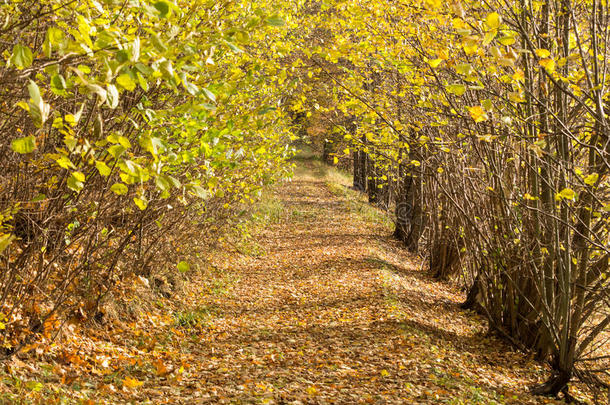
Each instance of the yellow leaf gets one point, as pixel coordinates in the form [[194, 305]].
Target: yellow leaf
[[457, 89], [493, 20], [548, 64], [312, 390], [543, 53], [131, 382], [591, 179], [478, 114], [528, 196], [489, 37], [335, 160], [384, 373], [507, 39], [470, 45], [435, 62], [566, 193]]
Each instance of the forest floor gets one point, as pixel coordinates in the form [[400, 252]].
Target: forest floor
[[319, 305]]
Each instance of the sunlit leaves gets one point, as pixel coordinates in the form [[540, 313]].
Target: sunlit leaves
[[478, 114], [493, 20], [435, 62], [126, 82], [137, 106], [132, 382], [548, 64], [119, 188], [566, 193], [457, 89]]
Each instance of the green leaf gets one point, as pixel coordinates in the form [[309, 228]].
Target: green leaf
[[200, 192], [242, 36], [162, 182], [39, 110], [55, 36], [163, 8], [39, 197], [275, 21], [63, 161], [457, 89], [183, 267], [5, 241], [119, 188], [209, 95], [58, 84], [24, 145], [151, 144], [34, 92], [116, 150], [22, 56], [34, 385]]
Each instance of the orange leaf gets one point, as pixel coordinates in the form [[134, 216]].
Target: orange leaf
[[131, 382], [160, 367]]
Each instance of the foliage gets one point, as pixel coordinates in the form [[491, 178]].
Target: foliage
[[484, 125], [130, 129]]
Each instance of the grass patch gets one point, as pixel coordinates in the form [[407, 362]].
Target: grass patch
[[249, 247], [305, 153], [194, 318], [268, 210], [338, 183], [358, 205], [303, 215], [222, 285]]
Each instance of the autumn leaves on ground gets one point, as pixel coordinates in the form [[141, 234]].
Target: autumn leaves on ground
[[317, 305]]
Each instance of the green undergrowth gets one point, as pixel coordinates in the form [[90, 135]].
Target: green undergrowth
[[357, 202], [338, 182]]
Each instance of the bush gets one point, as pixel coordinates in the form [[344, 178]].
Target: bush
[[130, 130]]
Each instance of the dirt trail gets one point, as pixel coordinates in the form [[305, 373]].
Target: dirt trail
[[331, 310]]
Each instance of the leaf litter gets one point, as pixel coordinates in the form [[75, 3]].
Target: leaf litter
[[329, 309]]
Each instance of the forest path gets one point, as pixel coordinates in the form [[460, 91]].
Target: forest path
[[318, 306], [324, 307]]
